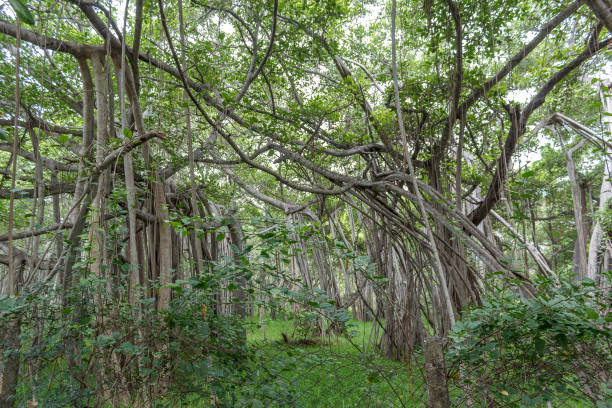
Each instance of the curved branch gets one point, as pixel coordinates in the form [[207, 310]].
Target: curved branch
[[518, 57], [519, 122]]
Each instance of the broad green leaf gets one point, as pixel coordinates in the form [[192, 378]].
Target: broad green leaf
[[22, 11]]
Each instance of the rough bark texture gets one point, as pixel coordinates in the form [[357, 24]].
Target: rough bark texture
[[435, 374]]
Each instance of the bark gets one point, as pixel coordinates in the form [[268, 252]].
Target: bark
[[130, 186], [85, 153], [39, 200], [59, 240], [580, 259], [599, 242], [603, 10], [435, 374], [188, 133], [239, 296], [136, 44], [97, 228], [10, 344], [164, 252]]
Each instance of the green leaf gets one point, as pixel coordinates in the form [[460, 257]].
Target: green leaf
[[220, 237], [128, 348], [255, 403], [528, 173], [539, 345], [104, 340], [22, 11], [63, 138], [592, 314]]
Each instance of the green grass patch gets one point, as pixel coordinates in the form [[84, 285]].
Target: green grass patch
[[337, 371]]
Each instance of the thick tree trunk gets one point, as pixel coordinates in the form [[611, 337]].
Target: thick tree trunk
[[59, 240], [38, 203]]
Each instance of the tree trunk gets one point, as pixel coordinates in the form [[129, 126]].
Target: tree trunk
[[130, 186], [79, 190], [239, 306], [605, 194], [10, 344], [580, 260], [435, 374], [164, 254], [97, 228]]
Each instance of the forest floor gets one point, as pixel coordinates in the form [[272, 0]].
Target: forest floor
[[336, 371]]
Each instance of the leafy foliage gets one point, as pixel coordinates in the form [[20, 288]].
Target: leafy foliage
[[517, 351]]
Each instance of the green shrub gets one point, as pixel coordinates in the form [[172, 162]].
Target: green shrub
[[517, 351]]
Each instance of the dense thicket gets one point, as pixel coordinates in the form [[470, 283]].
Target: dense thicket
[[171, 170]]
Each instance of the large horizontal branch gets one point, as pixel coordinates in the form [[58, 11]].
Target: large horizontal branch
[[39, 123], [42, 231], [52, 189], [149, 218], [77, 49], [20, 258], [61, 188], [46, 162], [199, 156]]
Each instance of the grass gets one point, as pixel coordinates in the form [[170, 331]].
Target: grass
[[337, 372]]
